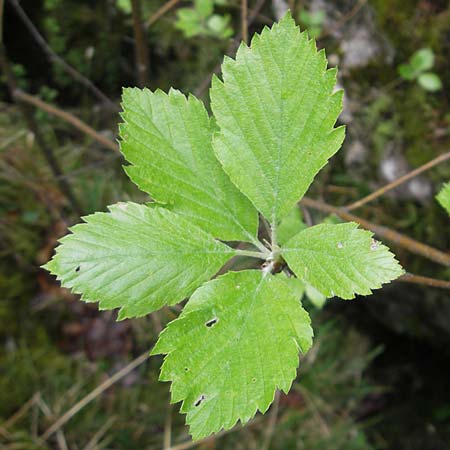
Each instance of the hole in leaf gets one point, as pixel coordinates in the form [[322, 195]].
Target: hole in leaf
[[211, 322], [199, 401], [340, 245], [77, 269]]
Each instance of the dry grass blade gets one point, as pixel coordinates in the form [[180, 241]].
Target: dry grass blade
[[93, 443], [191, 444], [20, 413], [94, 394], [272, 422]]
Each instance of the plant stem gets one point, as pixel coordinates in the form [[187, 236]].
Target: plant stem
[[273, 235], [259, 245], [259, 255]]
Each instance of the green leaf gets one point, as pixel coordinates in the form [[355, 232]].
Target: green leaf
[[304, 289], [340, 260], [422, 60], [124, 5], [218, 25], [430, 82], [188, 21], [167, 139], [291, 225], [276, 111], [314, 296], [204, 8], [444, 197], [407, 72], [309, 19], [235, 343], [137, 258]]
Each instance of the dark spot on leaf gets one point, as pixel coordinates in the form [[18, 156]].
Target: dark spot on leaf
[[253, 380], [211, 322], [77, 269], [199, 401], [186, 369]]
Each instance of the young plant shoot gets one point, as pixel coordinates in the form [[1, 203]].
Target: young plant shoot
[[239, 336]]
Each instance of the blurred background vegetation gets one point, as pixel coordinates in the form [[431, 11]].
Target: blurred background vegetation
[[378, 376]]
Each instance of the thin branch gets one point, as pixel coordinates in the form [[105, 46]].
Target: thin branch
[[46, 150], [403, 179], [418, 279], [244, 20], [56, 59], [141, 48], [94, 394], [160, 12], [399, 239], [67, 117]]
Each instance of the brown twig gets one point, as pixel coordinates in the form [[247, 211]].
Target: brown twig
[[94, 394], [244, 20], [388, 187], [160, 12], [56, 59], [418, 279], [67, 117], [47, 150], [384, 232], [141, 47]]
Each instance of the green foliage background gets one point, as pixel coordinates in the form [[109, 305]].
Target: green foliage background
[[376, 375]]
